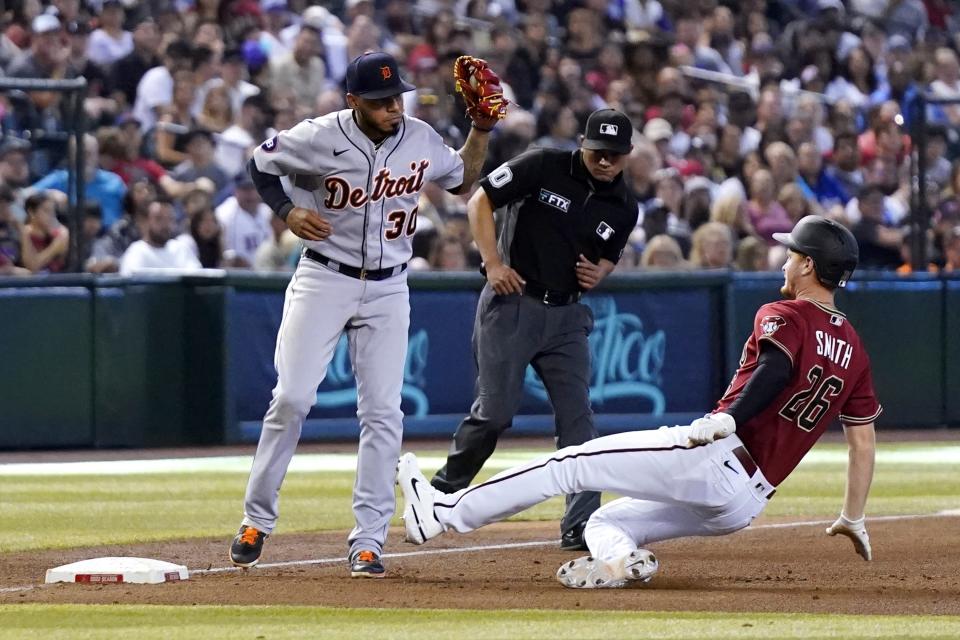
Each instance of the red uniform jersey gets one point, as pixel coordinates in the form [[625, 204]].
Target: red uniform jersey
[[830, 377]]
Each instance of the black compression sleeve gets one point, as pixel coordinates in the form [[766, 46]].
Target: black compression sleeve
[[767, 381], [270, 190]]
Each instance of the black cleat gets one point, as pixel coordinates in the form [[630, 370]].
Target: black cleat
[[246, 547], [366, 564], [572, 540]]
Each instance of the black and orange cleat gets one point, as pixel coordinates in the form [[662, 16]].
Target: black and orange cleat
[[246, 547], [366, 564]]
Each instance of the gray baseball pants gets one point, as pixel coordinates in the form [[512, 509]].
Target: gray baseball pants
[[321, 304]]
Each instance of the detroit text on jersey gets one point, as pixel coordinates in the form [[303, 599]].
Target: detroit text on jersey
[[340, 192]]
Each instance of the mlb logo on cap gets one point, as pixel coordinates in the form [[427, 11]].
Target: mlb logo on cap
[[608, 130]]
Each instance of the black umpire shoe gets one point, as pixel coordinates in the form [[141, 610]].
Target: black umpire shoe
[[246, 547], [572, 540], [366, 564]]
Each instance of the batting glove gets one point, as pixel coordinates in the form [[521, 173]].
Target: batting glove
[[711, 427], [856, 531]]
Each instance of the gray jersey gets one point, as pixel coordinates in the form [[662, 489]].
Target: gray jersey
[[369, 194]]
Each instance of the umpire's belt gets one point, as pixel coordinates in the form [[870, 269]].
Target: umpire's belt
[[354, 272], [549, 297]]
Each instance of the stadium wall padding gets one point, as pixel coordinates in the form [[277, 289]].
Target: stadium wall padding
[[97, 361], [141, 366], [901, 323], [951, 351], [46, 376]]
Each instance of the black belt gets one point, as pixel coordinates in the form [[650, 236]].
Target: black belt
[[749, 466], [549, 297], [744, 457], [354, 272]]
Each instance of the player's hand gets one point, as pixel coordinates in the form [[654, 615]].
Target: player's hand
[[308, 224], [504, 280], [589, 275], [714, 426], [856, 530]]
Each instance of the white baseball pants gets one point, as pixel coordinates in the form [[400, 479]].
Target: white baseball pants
[[321, 304], [672, 490]]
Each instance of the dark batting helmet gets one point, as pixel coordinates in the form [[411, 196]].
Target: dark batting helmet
[[829, 244]]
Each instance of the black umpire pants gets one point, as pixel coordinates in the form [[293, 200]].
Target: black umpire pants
[[509, 333]]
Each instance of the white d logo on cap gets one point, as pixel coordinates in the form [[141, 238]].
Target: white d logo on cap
[[608, 129]]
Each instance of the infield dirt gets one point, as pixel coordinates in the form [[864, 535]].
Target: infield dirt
[[916, 570]]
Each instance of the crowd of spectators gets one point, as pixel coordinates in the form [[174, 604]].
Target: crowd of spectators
[[748, 115]]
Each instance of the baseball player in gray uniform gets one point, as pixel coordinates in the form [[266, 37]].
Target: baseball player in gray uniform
[[355, 179]]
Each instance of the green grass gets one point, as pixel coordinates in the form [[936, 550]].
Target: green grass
[[816, 490], [51, 622], [50, 512], [56, 512], [43, 512]]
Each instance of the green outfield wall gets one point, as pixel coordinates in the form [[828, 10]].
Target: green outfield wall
[[97, 361]]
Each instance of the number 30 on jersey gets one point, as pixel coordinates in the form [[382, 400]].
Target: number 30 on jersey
[[401, 224]]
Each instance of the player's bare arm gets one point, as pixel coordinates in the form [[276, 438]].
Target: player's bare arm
[[502, 278], [861, 440], [473, 153], [589, 275]]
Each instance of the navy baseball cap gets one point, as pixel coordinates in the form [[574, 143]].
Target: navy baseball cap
[[375, 75], [609, 130]]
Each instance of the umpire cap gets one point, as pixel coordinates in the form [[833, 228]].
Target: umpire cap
[[830, 245], [608, 129]]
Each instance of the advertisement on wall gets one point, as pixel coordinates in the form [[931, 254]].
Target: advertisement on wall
[[655, 355]]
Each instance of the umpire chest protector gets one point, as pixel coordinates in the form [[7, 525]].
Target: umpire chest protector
[[550, 210]]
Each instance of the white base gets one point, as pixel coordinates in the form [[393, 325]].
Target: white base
[[117, 571]]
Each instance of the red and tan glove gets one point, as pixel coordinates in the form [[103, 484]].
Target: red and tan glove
[[481, 91]]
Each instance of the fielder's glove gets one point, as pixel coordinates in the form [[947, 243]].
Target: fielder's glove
[[713, 426], [481, 91], [856, 530]]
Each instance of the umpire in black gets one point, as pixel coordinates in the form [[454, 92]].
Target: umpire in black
[[562, 220]]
